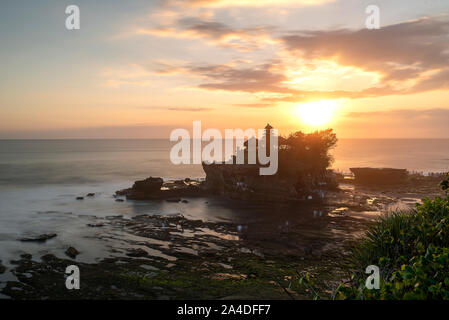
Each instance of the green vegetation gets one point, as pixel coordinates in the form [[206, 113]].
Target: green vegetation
[[445, 183], [412, 252]]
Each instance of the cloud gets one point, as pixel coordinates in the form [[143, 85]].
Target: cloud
[[243, 39], [401, 53], [440, 80], [258, 78], [403, 58], [267, 79], [410, 57]]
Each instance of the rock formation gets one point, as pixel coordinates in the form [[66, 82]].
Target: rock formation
[[379, 175]]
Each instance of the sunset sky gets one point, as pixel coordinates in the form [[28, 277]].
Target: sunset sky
[[138, 69]]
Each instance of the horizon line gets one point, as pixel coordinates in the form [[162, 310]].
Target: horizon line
[[74, 139]]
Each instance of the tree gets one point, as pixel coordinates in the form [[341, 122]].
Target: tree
[[303, 154]]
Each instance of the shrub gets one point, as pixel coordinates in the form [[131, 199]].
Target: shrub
[[412, 251], [445, 183]]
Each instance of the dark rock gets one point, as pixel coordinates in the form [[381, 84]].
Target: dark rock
[[41, 238], [26, 256], [72, 252], [137, 253], [123, 192], [150, 189], [119, 200], [79, 198], [185, 201], [173, 200], [90, 195], [148, 185], [2, 268], [95, 225], [379, 175], [49, 258]]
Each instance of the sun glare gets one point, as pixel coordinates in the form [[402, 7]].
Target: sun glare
[[317, 113]]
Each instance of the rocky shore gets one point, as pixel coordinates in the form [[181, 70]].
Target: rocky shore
[[173, 257], [170, 257]]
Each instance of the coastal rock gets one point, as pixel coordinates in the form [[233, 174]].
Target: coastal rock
[[243, 182], [381, 176], [2, 268], [95, 225], [148, 185], [90, 195], [72, 252], [156, 189], [137, 253], [79, 198], [40, 238]]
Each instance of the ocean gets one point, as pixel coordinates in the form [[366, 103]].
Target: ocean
[[40, 180], [98, 162]]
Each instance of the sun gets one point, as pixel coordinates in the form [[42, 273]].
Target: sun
[[317, 113]]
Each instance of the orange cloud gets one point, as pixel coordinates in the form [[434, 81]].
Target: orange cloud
[[405, 54], [404, 58]]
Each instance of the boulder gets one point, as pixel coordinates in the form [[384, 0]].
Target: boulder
[[148, 185], [72, 252]]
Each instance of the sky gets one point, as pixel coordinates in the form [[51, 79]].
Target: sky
[[139, 69]]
